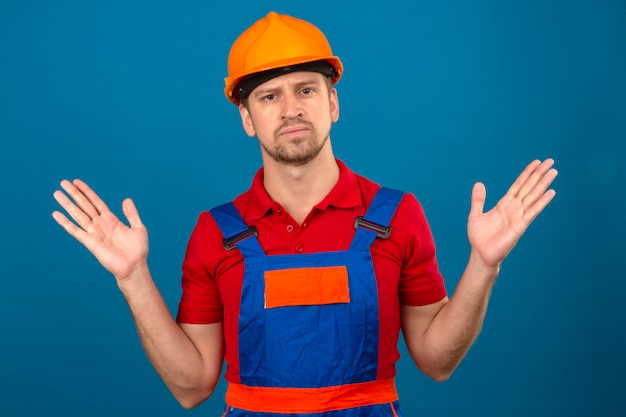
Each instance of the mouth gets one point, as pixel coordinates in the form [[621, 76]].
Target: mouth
[[293, 131]]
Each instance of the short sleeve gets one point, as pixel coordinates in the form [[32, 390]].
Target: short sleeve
[[200, 302], [421, 282]]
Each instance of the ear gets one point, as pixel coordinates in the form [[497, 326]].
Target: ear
[[246, 121], [334, 105]]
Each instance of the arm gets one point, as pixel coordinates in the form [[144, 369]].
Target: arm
[[187, 357], [439, 335]]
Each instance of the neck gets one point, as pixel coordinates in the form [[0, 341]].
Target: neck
[[299, 188]]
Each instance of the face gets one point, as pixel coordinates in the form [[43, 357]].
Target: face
[[291, 115]]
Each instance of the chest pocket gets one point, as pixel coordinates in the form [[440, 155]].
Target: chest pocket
[[306, 286]]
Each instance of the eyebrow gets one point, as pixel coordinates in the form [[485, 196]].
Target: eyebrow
[[270, 90]]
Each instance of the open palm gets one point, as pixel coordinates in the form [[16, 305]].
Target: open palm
[[495, 233], [118, 247]]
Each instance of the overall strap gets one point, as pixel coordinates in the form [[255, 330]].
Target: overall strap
[[235, 230], [375, 222]]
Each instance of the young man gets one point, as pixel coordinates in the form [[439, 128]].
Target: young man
[[303, 282]]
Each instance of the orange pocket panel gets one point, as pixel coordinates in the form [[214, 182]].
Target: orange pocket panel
[[306, 286]]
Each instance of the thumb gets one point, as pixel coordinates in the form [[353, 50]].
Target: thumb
[[479, 194], [131, 213]]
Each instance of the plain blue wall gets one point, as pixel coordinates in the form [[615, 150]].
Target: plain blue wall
[[436, 95]]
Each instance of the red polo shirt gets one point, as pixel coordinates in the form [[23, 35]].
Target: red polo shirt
[[405, 264]]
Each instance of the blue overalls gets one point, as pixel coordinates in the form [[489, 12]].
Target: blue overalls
[[309, 324]]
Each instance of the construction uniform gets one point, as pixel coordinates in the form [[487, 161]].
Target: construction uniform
[[307, 336]]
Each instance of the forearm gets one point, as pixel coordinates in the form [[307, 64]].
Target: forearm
[[190, 377], [189, 360], [440, 334], [444, 343]]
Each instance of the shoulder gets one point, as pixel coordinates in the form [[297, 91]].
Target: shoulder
[[410, 217], [206, 234]]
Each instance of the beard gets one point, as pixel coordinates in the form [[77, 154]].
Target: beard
[[296, 151]]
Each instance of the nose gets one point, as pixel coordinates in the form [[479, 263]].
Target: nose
[[292, 107]]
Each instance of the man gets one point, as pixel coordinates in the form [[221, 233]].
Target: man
[[303, 282]]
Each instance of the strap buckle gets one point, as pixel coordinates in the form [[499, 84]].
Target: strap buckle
[[231, 242], [381, 231]]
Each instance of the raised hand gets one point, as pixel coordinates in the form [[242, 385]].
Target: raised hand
[[119, 248], [495, 233]]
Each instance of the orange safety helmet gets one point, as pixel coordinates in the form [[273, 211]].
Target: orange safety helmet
[[278, 41]]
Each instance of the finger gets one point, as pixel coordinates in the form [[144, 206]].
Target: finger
[[533, 211], [522, 178], [92, 196], [73, 230], [479, 194], [535, 178], [539, 189], [80, 199], [75, 212], [131, 213]]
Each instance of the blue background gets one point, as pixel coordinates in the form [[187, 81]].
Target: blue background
[[436, 95]]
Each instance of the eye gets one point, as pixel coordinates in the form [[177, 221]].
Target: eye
[[307, 91], [269, 97]]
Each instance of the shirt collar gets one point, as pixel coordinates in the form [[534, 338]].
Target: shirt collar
[[259, 201], [345, 193]]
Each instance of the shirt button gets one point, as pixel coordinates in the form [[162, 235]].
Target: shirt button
[[299, 248], [278, 212], [290, 228]]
